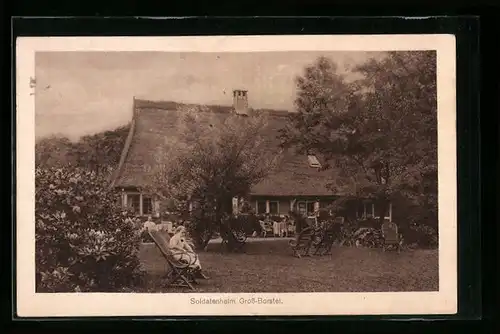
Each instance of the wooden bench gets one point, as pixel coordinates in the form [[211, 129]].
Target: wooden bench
[[328, 237]]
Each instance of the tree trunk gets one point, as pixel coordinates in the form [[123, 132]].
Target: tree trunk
[[203, 239]]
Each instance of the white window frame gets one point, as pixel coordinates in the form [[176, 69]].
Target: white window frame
[[235, 205], [152, 205], [316, 205], [268, 206], [313, 161], [141, 197], [127, 200], [389, 217], [298, 204], [371, 214]]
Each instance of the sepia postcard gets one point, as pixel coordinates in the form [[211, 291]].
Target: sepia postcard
[[236, 175]]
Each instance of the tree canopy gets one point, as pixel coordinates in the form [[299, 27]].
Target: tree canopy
[[380, 131], [53, 151], [99, 152]]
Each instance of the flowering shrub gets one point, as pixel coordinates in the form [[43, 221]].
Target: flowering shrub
[[361, 233], [84, 242]]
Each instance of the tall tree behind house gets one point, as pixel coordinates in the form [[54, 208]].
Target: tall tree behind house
[[381, 130]]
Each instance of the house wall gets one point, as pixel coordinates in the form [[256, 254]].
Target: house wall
[[286, 203], [363, 209]]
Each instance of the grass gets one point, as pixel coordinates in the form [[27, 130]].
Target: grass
[[268, 266]]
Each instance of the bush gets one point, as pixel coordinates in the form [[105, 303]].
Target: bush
[[347, 231], [246, 223], [84, 242], [200, 227], [145, 237], [368, 237], [422, 236]]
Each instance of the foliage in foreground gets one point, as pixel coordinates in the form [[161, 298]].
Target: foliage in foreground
[[84, 242]]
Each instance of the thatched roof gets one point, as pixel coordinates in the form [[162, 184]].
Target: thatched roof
[[155, 123]]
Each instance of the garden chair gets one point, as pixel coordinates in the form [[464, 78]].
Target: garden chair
[[180, 273], [391, 236], [234, 240], [303, 242], [330, 234]]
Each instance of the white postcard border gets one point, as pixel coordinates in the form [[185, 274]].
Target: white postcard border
[[31, 304]]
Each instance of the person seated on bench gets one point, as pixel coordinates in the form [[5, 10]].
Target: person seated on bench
[[149, 224], [180, 241]]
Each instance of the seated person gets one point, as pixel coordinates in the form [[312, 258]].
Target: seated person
[[180, 241], [149, 224]]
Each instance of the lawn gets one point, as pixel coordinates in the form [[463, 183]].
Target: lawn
[[268, 266]]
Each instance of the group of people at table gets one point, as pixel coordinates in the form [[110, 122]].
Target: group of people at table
[[285, 227]]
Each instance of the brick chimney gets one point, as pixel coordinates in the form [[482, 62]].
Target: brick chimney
[[240, 101]]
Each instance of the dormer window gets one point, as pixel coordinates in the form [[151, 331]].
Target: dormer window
[[313, 161]]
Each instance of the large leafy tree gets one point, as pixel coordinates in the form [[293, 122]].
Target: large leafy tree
[[84, 242], [212, 160], [379, 132]]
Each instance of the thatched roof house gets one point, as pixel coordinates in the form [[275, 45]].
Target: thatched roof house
[[297, 183]]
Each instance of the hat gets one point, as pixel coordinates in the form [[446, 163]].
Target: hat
[[180, 229]]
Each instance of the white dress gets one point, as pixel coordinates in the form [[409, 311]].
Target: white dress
[[178, 241]]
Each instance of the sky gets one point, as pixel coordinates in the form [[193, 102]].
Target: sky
[[80, 93]]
